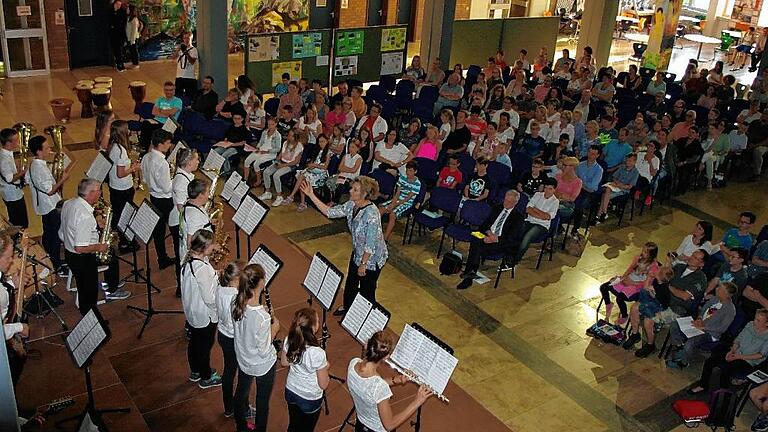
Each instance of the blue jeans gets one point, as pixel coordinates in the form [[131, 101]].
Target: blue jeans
[[532, 232], [302, 413]]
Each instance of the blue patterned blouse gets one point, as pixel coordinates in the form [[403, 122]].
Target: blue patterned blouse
[[365, 227]]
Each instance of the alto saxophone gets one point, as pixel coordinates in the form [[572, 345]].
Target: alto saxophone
[[107, 236], [135, 156], [215, 211], [57, 166]]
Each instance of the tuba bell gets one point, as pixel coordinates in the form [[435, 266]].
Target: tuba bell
[[57, 166], [26, 131]]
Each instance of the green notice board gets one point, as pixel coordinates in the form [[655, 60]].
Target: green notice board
[[365, 54], [301, 54]]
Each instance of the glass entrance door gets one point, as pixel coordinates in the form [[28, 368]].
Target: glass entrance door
[[24, 42]]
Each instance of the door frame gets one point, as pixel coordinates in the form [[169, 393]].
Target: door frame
[[24, 34]]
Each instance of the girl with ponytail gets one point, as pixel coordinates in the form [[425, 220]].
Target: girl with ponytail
[[370, 392], [254, 331], [229, 280], [308, 374]]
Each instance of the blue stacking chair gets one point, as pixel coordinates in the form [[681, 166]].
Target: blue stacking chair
[[547, 240], [521, 165], [386, 182], [427, 171], [145, 113], [428, 94], [471, 216], [423, 110], [440, 199], [271, 106]]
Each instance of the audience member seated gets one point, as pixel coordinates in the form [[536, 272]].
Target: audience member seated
[[533, 181], [479, 185], [257, 117], [648, 166], [317, 89], [657, 85], [374, 123], [475, 123], [708, 100], [349, 169], [622, 181], [733, 271], [500, 154], [293, 100], [433, 78], [166, 106], [450, 176], [755, 295], [632, 80], [716, 147], [533, 144], [285, 121], [626, 288], [206, 99], [403, 198], [414, 72], [759, 261], [757, 143], [229, 104], [411, 134], [568, 187], [265, 152], [656, 108], [358, 103], [689, 154], [282, 87], [309, 126], [319, 105], [391, 155], [617, 150], [450, 94], [288, 161], [315, 173], [342, 92], [652, 298], [591, 173], [234, 140], [604, 91], [429, 147], [739, 236], [541, 209], [246, 87]]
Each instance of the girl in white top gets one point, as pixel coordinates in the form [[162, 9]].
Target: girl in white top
[[446, 117], [308, 374], [133, 28], [198, 296], [370, 392], [700, 238], [193, 215], [257, 117], [267, 150], [187, 162], [288, 161], [349, 169], [310, 126], [121, 174], [256, 356], [229, 279]]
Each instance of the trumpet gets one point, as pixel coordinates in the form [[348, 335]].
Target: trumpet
[[135, 156], [57, 166], [25, 130], [412, 377]]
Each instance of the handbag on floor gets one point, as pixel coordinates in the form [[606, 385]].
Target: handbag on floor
[[693, 412], [607, 332], [451, 263]]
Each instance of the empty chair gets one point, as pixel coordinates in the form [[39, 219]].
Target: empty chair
[[471, 216], [647, 73], [386, 182], [426, 171], [669, 77], [638, 50], [442, 200], [428, 94], [271, 106]]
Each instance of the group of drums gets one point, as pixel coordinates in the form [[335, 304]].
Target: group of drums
[[96, 94]]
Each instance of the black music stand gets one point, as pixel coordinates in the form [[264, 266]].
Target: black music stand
[[136, 273], [249, 215], [145, 220], [86, 338], [42, 296]]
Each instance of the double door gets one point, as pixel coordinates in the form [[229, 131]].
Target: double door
[[24, 40]]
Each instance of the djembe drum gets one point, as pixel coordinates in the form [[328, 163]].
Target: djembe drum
[[103, 80], [101, 98], [138, 93], [83, 89]]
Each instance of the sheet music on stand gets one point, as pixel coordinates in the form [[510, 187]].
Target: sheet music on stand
[[429, 358], [270, 262], [87, 337], [323, 280], [125, 219], [144, 221], [172, 155], [170, 125], [99, 168], [232, 182], [212, 164], [240, 191], [250, 214], [364, 318]]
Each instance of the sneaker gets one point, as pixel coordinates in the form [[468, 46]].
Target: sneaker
[[631, 341], [63, 270], [645, 351], [213, 381], [676, 364], [105, 287], [301, 207], [760, 424], [229, 414], [265, 196], [288, 200], [194, 376], [464, 284], [119, 294], [277, 201], [251, 412]]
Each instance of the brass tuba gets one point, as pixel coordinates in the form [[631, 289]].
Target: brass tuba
[[57, 166], [26, 131], [107, 236]]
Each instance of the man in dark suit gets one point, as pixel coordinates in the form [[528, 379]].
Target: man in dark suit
[[502, 231]]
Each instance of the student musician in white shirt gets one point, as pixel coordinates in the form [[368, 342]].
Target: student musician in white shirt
[[229, 280], [308, 374], [193, 215], [120, 175], [198, 296], [187, 162], [46, 198], [157, 175], [8, 283], [371, 393], [256, 356], [80, 233], [11, 177]]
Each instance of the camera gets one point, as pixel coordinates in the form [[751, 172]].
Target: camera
[[183, 47]]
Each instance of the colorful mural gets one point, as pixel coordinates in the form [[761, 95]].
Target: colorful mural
[[663, 32], [165, 20]]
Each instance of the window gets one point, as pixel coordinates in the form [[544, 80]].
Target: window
[[84, 8]]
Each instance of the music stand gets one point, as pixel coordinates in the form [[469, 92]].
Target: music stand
[[86, 338], [232, 193], [142, 224], [323, 281], [249, 214], [42, 295], [129, 211]]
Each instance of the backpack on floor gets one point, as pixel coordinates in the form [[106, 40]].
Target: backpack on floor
[[607, 332], [722, 409], [693, 412], [451, 263]]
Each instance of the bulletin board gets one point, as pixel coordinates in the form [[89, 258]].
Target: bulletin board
[[367, 53]]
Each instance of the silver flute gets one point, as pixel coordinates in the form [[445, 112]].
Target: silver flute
[[412, 377]]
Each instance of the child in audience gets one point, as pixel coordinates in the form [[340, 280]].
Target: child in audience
[[532, 181], [349, 169], [450, 176], [652, 299], [479, 184], [234, 140], [316, 172], [627, 286], [446, 126], [403, 199], [282, 87], [429, 147]]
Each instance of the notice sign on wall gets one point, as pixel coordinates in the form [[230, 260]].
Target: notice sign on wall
[[23, 10], [59, 17]]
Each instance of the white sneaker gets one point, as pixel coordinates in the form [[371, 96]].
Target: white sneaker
[[265, 196], [277, 201]]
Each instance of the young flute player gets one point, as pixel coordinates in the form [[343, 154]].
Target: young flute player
[[229, 280]]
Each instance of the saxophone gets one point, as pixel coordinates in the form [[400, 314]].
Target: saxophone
[[57, 166], [25, 130], [134, 154], [215, 211], [107, 236]]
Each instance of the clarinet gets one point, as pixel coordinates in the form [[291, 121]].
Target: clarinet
[[278, 344]]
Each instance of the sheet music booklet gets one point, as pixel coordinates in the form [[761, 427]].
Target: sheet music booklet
[[143, 222], [250, 214], [125, 219], [364, 318], [212, 164], [170, 125], [100, 167], [172, 155], [90, 334], [430, 359], [270, 262], [232, 182], [323, 280], [240, 191]]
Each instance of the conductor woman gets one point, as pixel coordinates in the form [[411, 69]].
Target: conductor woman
[[369, 251]]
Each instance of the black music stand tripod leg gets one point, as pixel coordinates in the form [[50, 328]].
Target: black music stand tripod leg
[[150, 311], [90, 407], [323, 344], [347, 420]]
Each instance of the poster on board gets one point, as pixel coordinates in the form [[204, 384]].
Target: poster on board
[[349, 42], [307, 45], [263, 48], [391, 63], [345, 66], [393, 39], [292, 68]]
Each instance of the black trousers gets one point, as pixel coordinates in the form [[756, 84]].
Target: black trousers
[[50, 240], [584, 203], [118, 199], [85, 270], [164, 206], [227, 345], [264, 386], [607, 289], [199, 349], [727, 369], [756, 57], [175, 233], [186, 87], [145, 135], [365, 285], [360, 427], [299, 421], [16, 364], [133, 51], [478, 249], [17, 212], [116, 43]]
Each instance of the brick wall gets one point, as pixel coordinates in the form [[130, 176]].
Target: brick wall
[[392, 12], [355, 15], [462, 9], [57, 36]]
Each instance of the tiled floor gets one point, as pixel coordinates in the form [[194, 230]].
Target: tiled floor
[[525, 363]]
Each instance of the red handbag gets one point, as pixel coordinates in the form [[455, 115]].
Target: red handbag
[[691, 411]]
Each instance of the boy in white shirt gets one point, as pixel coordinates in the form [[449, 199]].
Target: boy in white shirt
[[542, 208]]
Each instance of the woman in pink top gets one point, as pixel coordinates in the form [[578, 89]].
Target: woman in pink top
[[430, 145], [337, 116], [627, 286], [568, 187]]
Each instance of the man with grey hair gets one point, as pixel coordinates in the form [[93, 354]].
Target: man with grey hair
[[501, 234], [79, 232]]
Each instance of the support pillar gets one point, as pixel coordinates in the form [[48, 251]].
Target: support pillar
[[437, 32], [663, 33], [212, 43], [597, 24]]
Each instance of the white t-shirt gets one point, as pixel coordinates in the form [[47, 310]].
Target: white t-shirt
[[738, 141], [398, 153], [366, 394], [253, 342], [78, 225], [258, 116], [349, 161], [224, 297], [41, 181], [8, 169], [180, 182], [198, 293], [288, 156], [548, 205], [185, 68], [302, 377], [644, 167], [687, 248], [315, 129], [445, 130], [119, 157], [193, 219], [514, 117]]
